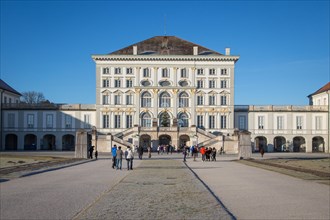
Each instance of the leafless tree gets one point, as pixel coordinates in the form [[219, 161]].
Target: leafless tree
[[33, 97]]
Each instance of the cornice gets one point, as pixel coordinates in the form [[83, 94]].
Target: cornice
[[163, 58]]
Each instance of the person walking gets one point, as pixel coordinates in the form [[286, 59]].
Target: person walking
[[203, 151], [91, 149], [119, 158], [129, 157], [140, 152], [184, 154], [114, 154]]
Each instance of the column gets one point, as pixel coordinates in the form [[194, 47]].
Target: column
[[155, 102], [193, 106], [137, 104], [137, 74]]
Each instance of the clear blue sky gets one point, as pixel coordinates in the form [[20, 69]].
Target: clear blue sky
[[46, 46]]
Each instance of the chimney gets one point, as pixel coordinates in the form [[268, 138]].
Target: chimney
[[134, 50], [227, 51], [195, 50]]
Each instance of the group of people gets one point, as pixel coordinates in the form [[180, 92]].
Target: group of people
[[208, 153], [117, 157], [165, 148]]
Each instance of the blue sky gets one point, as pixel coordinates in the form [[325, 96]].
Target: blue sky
[[46, 46]]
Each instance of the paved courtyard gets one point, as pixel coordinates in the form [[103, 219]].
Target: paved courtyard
[[164, 187]]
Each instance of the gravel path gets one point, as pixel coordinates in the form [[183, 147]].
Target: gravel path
[[157, 189]]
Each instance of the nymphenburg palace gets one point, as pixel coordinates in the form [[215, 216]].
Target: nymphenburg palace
[[165, 90]]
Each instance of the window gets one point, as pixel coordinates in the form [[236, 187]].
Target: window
[[49, 121], [117, 99], [223, 84], [165, 100], [279, 122], [183, 120], [146, 72], [87, 121], [117, 70], [129, 71], [223, 122], [105, 121], [129, 99], [117, 121], [223, 71], [212, 100], [165, 73], [146, 99], [146, 120], [200, 121], [299, 122], [211, 121], [200, 72], [30, 121], [212, 71], [105, 100], [106, 83], [129, 83], [183, 100], [117, 83], [11, 120], [242, 122], [212, 84], [106, 70], [200, 84], [260, 122], [68, 121], [200, 100], [318, 123], [184, 73], [223, 100], [129, 121]]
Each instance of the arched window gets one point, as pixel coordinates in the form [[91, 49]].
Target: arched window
[[183, 120], [164, 120], [183, 100], [165, 100], [146, 120], [146, 99]]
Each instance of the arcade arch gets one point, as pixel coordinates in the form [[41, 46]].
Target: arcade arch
[[11, 142]]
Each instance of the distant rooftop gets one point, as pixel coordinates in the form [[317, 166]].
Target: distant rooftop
[[165, 45], [8, 88], [325, 88]]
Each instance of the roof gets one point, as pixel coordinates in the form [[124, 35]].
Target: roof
[[164, 45], [8, 88], [325, 88]]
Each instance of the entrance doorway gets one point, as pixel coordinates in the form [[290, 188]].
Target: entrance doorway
[[165, 140]]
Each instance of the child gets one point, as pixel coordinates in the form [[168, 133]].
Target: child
[[96, 154]]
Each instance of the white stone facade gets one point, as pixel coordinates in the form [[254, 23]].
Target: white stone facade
[[165, 90]]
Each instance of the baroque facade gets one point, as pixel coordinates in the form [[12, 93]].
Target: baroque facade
[[165, 90]]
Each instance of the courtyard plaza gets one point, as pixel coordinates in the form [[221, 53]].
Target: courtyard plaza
[[164, 187]]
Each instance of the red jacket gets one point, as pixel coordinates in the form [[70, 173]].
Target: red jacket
[[202, 150]]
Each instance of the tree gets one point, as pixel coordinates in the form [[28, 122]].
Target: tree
[[33, 97]]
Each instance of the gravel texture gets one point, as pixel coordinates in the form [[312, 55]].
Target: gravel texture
[[157, 189]]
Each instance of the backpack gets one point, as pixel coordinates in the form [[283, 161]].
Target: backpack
[[126, 153]]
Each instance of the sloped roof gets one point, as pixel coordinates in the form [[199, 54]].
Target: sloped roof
[[325, 88], [8, 88], [164, 45]]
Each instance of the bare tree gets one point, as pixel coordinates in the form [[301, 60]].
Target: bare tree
[[33, 97]]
